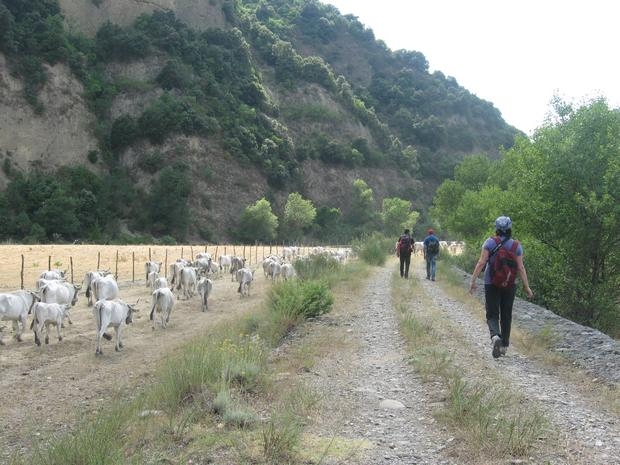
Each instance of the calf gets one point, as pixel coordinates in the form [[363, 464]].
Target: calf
[[205, 286], [244, 278], [15, 307], [45, 315], [163, 302], [115, 313]]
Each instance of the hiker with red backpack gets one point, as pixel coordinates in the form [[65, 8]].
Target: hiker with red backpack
[[504, 256], [404, 249]]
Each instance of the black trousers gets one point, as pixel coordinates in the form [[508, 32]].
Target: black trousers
[[405, 261], [498, 304]]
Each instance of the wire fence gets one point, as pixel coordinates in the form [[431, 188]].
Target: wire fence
[[21, 265]]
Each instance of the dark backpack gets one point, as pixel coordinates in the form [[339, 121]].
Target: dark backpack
[[433, 247], [504, 269], [404, 244]]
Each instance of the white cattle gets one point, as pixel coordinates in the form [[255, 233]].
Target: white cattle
[[163, 303], [289, 253], [274, 271], [244, 278], [60, 292], [287, 271], [149, 267], [53, 274], [187, 282], [418, 248], [205, 286], [206, 255], [46, 315], [225, 262], [236, 263], [15, 307], [203, 265], [267, 261], [105, 288], [89, 277], [159, 283], [151, 278], [115, 313], [175, 271]]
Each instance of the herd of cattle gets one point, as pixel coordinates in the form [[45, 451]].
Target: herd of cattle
[[51, 301]]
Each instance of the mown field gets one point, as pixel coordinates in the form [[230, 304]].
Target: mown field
[[21, 265]]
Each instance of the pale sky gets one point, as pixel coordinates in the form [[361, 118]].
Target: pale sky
[[514, 54]]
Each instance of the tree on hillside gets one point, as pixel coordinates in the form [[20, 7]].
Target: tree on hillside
[[363, 213], [299, 214], [397, 215], [258, 223]]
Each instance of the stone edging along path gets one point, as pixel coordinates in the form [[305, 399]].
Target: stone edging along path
[[588, 348]]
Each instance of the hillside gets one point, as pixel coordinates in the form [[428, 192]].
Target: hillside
[[215, 105]]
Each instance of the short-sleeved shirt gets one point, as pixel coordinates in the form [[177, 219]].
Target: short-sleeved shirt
[[490, 244]]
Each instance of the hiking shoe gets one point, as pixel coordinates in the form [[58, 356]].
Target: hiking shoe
[[502, 350], [497, 344]]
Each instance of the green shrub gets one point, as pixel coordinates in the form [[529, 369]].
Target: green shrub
[[373, 249], [294, 301]]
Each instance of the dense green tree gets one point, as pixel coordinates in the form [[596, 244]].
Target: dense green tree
[[363, 213], [299, 214], [169, 211], [397, 215], [562, 191], [258, 223]]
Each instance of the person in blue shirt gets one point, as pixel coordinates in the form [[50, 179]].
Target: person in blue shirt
[[431, 251]]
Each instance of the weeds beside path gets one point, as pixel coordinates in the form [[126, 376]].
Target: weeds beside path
[[439, 397]]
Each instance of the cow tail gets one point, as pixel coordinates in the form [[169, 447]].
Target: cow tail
[[88, 291]]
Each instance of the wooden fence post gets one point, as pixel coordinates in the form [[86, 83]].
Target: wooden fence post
[[149, 254], [166, 264], [71, 267], [116, 269], [133, 266], [49, 263], [98, 260], [22, 273]]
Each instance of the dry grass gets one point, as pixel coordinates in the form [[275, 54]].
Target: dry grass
[[21, 265]]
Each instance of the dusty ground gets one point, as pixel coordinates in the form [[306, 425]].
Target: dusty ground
[[44, 389]]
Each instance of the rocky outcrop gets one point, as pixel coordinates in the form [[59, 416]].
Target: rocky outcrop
[[87, 16], [61, 135]]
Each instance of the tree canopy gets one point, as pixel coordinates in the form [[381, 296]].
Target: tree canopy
[[562, 191]]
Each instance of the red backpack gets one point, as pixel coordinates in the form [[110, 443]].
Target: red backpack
[[504, 270]]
